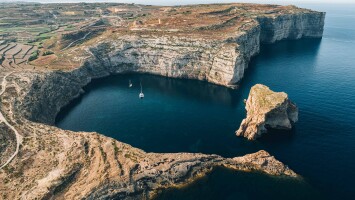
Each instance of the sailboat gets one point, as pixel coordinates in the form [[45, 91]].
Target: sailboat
[[130, 84], [141, 95]]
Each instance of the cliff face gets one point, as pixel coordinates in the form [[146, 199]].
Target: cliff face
[[296, 26], [42, 161], [221, 62], [267, 109]]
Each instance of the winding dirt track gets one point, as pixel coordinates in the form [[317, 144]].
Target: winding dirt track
[[2, 118], [83, 38]]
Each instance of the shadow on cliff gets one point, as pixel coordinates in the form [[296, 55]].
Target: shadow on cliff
[[201, 91], [282, 50]]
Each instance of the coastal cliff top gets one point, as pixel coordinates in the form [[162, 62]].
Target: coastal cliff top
[[58, 36], [209, 20]]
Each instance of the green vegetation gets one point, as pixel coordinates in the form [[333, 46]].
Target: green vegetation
[[103, 154], [2, 59], [116, 149], [8, 169], [48, 52], [131, 156], [34, 56], [44, 36], [70, 28]]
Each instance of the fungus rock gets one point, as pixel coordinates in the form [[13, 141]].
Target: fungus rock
[[267, 109]]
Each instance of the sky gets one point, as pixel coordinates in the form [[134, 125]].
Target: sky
[[182, 2]]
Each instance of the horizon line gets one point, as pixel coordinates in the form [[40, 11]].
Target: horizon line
[[120, 2]]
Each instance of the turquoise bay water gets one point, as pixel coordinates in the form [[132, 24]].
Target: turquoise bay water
[[193, 116]]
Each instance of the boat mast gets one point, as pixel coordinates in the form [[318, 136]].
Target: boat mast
[[141, 87]]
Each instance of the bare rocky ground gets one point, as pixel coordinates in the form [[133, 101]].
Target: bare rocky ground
[[205, 42]]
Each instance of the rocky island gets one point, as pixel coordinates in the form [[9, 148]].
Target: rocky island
[[267, 109], [205, 42]]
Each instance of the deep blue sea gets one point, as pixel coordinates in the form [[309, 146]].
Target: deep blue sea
[[192, 116]]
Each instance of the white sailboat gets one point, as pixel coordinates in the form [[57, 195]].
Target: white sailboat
[[130, 84], [141, 95]]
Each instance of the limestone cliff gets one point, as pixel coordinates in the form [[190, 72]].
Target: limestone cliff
[[296, 26], [212, 43], [267, 109], [221, 61]]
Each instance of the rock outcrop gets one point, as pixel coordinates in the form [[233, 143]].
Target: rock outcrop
[[267, 109]]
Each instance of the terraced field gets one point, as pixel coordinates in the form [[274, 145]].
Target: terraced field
[[15, 55], [34, 34]]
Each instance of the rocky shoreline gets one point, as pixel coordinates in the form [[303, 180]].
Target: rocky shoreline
[[61, 164]]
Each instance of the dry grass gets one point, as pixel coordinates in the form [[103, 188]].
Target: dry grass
[[215, 22]]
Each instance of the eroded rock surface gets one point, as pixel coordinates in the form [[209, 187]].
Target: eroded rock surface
[[40, 161], [267, 109]]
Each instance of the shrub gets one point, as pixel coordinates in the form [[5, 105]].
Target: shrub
[[46, 53], [34, 56]]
